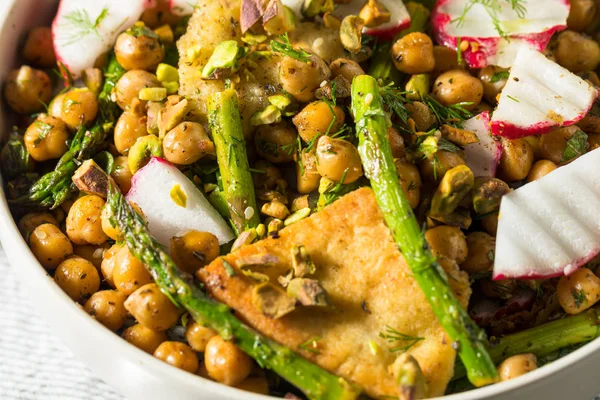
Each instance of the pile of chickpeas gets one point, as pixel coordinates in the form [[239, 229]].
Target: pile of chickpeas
[[84, 253]]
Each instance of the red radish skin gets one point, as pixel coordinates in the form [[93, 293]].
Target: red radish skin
[[481, 49], [399, 20], [482, 157], [540, 95], [550, 227]]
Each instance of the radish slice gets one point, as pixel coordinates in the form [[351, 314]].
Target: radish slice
[[399, 17], [158, 189], [551, 226], [541, 19], [182, 7], [83, 30], [483, 157], [539, 96]]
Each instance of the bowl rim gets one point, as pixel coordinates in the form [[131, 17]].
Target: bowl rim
[[14, 244]]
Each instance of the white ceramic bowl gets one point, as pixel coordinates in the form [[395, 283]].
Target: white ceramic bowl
[[138, 375]]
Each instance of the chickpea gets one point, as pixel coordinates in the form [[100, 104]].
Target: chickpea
[[194, 249], [78, 278], [255, 384], [535, 142], [49, 245], [138, 51], [187, 143], [434, 168], [109, 260], [593, 140], [413, 54], [490, 224], [93, 254], [492, 84], [144, 338], [540, 168], [579, 291], [516, 160], [225, 362], [107, 306], [422, 115], [338, 159], [178, 354], [276, 143], [198, 336], [302, 79], [410, 179], [122, 174], [447, 241], [129, 273], [581, 15], [516, 366], [128, 89], [346, 68], [457, 86], [159, 15], [79, 107], [151, 308], [38, 49], [318, 118], [111, 231], [554, 143], [446, 59], [396, 142], [46, 138], [576, 52], [32, 220], [27, 90], [84, 222], [267, 179], [128, 129], [481, 252], [307, 175]]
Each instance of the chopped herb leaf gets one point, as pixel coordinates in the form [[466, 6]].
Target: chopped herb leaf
[[576, 146], [82, 24], [283, 46], [311, 345], [493, 8], [499, 76], [452, 115], [579, 297], [393, 336], [513, 98], [228, 268]]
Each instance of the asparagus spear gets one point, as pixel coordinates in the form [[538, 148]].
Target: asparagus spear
[[52, 189], [376, 156], [315, 382], [382, 66], [544, 339], [226, 125]]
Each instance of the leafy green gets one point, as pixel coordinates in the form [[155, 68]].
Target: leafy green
[[576, 146], [284, 46], [499, 76], [392, 336]]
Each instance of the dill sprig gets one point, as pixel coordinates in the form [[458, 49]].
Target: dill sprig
[[82, 24], [284, 46], [391, 335], [493, 7], [395, 99], [451, 115], [311, 345]]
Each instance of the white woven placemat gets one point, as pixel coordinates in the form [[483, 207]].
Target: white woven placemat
[[34, 364]]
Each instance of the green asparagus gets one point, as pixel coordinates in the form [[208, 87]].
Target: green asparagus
[[314, 382], [378, 163], [14, 157], [544, 339], [52, 189], [226, 125]]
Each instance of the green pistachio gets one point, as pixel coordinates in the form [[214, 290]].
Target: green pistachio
[[411, 381], [171, 114], [454, 186], [167, 73], [224, 61], [143, 150], [351, 33], [312, 8], [278, 19], [418, 86], [270, 115], [487, 194], [285, 103], [308, 292], [272, 301], [153, 94], [460, 218], [302, 262]]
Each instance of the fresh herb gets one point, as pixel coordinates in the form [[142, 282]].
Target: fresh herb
[[576, 146], [579, 297], [451, 115], [14, 157], [446, 145], [284, 46], [459, 56], [311, 345], [493, 8], [393, 336], [395, 99], [513, 98], [82, 24], [499, 76], [228, 268], [43, 131]]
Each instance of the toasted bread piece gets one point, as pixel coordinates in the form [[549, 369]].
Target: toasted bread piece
[[370, 287]]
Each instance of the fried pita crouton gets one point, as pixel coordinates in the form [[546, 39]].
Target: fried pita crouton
[[374, 300]]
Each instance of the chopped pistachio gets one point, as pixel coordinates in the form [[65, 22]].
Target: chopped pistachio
[[312, 8], [331, 21], [284, 280], [351, 33], [246, 237], [302, 262], [272, 301], [374, 347], [152, 110], [193, 53], [374, 13], [253, 39], [224, 61], [460, 218], [274, 226], [454, 186], [167, 73], [153, 94], [93, 78], [261, 230], [91, 179], [178, 195], [209, 187], [172, 87], [165, 34], [487, 194], [342, 89], [418, 86], [271, 195], [275, 209], [299, 203], [270, 115], [171, 114], [411, 381], [278, 18], [143, 150], [257, 260], [297, 216], [285, 103], [257, 276], [308, 292], [458, 136]]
